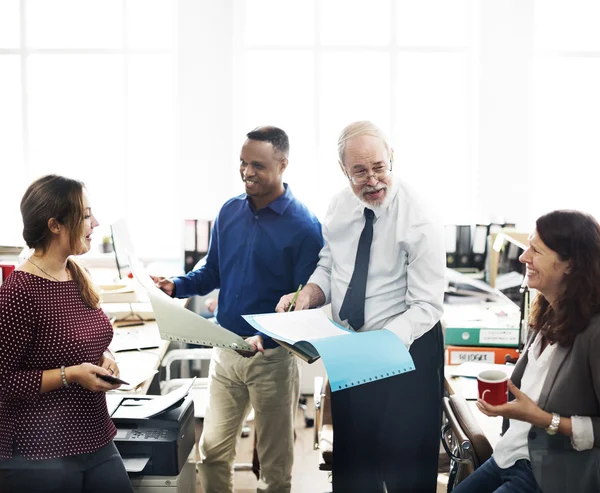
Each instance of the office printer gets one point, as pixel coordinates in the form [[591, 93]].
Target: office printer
[[159, 445]]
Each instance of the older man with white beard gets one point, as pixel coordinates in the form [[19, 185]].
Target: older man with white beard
[[382, 267]]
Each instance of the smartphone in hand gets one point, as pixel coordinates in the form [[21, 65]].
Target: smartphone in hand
[[113, 380]]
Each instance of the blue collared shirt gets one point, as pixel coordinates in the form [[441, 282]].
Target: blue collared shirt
[[255, 257]]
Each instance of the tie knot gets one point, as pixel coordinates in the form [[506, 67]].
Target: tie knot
[[369, 214]]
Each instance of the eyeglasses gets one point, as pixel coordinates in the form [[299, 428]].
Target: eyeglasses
[[362, 177]]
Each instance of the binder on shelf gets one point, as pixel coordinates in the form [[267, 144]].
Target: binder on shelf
[[479, 249], [483, 337], [196, 238], [450, 232], [456, 355], [463, 245]]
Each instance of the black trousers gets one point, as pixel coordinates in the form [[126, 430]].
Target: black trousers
[[97, 472], [388, 430]]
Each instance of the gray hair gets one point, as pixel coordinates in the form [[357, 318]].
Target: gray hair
[[358, 129]]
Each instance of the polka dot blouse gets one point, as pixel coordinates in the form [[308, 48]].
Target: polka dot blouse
[[43, 325]]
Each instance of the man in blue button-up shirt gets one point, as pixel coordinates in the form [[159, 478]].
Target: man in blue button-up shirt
[[264, 244]]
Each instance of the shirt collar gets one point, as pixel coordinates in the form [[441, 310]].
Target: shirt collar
[[281, 203]]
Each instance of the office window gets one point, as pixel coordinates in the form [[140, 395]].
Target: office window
[[566, 106], [11, 148], [87, 91], [10, 28], [400, 63]]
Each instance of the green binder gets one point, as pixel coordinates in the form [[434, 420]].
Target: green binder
[[482, 337]]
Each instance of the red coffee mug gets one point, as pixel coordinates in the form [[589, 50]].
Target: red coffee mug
[[493, 387], [6, 270]]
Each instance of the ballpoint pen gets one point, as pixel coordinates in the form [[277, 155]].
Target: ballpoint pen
[[294, 298]]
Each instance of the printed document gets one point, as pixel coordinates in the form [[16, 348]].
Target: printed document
[[177, 323]]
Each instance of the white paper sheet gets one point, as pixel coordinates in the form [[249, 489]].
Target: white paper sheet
[[177, 323], [151, 407], [144, 337], [135, 464], [135, 375], [304, 325], [113, 401]]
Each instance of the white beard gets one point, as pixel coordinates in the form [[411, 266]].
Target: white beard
[[387, 200]]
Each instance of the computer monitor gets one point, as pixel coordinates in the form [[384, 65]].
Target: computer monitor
[[122, 246], [505, 270]]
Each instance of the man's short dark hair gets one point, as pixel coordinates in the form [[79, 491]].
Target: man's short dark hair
[[275, 136]]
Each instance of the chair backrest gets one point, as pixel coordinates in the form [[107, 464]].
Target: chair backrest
[[463, 439]]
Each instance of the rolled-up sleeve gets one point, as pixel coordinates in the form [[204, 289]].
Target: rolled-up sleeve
[[583, 433], [425, 283], [594, 349], [17, 329]]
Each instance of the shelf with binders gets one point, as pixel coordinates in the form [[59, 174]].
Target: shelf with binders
[[196, 241]]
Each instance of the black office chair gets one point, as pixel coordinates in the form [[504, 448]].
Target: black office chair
[[463, 440]]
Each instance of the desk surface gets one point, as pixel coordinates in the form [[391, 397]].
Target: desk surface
[[145, 359], [491, 427]]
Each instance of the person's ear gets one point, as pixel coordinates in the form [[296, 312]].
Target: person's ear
[[54, 226], [391, 158], [283, 165], [569, 268]]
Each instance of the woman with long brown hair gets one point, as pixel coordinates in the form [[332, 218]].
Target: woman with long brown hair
[[55, 431], [551, 440]]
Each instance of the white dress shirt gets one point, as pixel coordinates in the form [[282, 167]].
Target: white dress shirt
[[405, 284]]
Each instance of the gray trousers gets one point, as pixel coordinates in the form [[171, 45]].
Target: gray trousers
[[97, 472]]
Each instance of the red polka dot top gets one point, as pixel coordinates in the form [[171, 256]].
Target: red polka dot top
[[45, 324]]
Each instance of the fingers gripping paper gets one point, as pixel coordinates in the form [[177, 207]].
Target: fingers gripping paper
[[177, 323]]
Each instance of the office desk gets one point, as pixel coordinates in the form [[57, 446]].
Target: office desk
[[491, 427], [142, 359]]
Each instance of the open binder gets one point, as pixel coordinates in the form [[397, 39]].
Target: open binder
[[351, 358], [304, 350]]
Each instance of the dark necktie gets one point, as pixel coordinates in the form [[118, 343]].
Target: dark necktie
[[353, 307]]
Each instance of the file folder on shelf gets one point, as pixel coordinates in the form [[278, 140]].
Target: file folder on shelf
[[479, 249], [463, 245], [456, 355], [450, 231]]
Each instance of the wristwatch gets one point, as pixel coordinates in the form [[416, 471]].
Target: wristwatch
[[553, 428]]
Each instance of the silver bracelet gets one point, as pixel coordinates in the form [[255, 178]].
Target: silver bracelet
[[554, 424], [63, 376]]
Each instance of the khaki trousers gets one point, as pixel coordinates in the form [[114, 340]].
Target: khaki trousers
[[270, 384]]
